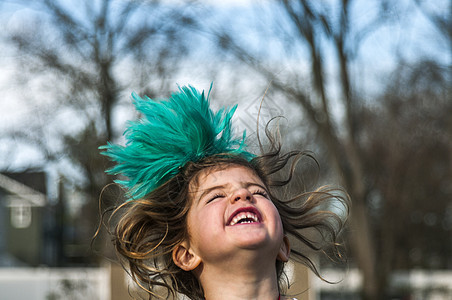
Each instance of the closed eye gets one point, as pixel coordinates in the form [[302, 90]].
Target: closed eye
[[216, 196], [261, 193]]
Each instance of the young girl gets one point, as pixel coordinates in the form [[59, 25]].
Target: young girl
[[203, 216]]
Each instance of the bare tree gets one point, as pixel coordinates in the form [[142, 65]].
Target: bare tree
[[83, 57], [406, 155]]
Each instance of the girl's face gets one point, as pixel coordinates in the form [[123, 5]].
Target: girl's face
[[231, 212]]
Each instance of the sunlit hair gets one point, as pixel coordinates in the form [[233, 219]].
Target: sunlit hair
[[147, 230]]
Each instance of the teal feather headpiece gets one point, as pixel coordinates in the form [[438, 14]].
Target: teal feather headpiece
[[171, 133]]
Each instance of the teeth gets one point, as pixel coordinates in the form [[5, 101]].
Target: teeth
[[243, 216]]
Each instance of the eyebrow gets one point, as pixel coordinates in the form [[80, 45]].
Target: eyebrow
[[222, 186]]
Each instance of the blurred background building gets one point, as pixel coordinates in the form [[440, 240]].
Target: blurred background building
[[24, 201]]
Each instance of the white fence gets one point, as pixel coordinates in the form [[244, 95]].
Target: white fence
[[96, 284], [421, 284], [54, 284]]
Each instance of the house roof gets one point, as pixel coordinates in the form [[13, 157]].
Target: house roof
[[21, 192]]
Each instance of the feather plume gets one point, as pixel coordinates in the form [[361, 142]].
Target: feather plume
[[171, 133]]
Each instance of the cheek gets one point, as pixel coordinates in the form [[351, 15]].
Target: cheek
[[204, 224], [278, 227]]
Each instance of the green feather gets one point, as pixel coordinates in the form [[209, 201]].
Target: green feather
[[171, 133]]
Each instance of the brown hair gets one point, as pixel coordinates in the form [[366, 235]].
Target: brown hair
[[150, 228]]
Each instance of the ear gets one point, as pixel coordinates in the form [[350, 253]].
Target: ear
[[284, 250], [185, 258]]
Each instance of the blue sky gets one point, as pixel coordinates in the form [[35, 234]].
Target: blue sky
[[409, 36]]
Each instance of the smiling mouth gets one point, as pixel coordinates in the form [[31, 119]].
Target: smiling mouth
[[244, 216]]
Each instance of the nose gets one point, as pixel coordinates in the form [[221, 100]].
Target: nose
[[242, 194]]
